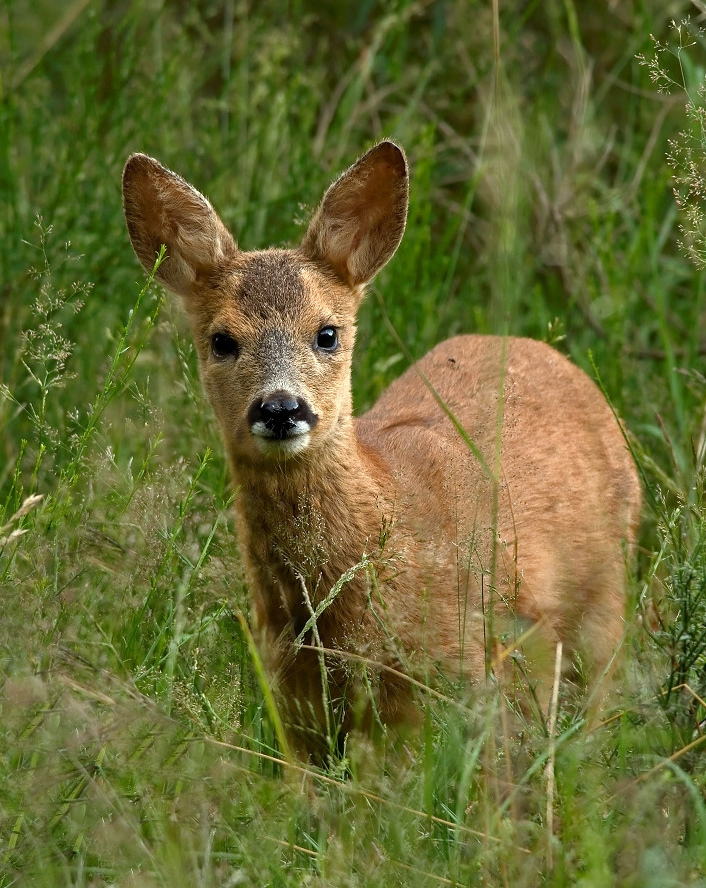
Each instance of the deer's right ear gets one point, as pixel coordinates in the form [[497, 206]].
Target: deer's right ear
[[161, 208]]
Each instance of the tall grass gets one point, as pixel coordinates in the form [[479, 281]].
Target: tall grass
[[138, 745]]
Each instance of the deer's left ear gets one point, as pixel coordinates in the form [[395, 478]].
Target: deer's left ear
[[361, 219]]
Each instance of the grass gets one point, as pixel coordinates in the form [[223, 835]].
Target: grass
[[137, 743]]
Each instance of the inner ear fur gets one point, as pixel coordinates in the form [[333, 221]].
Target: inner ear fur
[[361, 219], [161, 208]]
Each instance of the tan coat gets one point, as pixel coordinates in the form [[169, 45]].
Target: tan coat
[[489, 491]]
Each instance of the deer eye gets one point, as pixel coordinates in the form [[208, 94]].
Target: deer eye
[[327, 338], [224, 346]]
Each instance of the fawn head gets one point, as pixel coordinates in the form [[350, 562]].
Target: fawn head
[[274, 329]]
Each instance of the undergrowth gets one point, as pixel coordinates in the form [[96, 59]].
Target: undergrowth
[[137, 740]]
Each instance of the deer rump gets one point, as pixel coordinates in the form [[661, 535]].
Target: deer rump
[[489, 494]]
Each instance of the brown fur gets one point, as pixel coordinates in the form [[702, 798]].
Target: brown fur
[[460, 549]]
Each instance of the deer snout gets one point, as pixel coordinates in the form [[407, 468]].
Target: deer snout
[[281, 415]]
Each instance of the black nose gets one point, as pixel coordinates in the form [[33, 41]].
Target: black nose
[[280, 413]]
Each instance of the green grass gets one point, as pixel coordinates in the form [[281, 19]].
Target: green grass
[[137, 743]]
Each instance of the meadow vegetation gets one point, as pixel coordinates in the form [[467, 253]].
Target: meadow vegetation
[[137, 743]]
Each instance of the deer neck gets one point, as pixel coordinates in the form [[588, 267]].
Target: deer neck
[[304, 523]]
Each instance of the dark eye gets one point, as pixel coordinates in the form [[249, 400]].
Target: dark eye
[[327, 338], [224, 346]]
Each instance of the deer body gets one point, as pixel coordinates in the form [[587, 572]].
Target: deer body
[[396, 538]]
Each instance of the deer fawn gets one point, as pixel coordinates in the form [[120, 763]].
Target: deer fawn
[[489, 490]]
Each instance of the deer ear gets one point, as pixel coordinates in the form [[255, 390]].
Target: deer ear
[[360, 221], [161, 208]]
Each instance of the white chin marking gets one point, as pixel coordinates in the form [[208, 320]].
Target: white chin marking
[[282, 446]]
